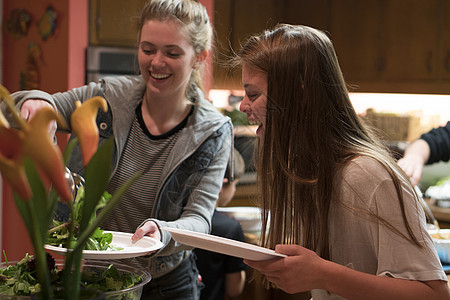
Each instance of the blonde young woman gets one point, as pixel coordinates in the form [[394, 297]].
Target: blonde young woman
[[163, 127], [340, 207]]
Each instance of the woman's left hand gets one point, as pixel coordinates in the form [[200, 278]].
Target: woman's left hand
[[150, 229], [299, 272]]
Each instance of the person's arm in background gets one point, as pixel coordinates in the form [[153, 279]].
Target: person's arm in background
[[234, 283], [433, 146], [415, 157]]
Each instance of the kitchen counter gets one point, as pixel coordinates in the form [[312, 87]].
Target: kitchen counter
[[442, 214]]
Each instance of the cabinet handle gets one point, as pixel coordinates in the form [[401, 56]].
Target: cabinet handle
[[429, 62], [447, 61], [380, 63]]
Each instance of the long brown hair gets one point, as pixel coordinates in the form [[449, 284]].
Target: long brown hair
[[311, 132]]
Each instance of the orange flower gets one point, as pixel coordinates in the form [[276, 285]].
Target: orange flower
[[31, 140], [4, 94], [11, 160], [3, 122], [85, 127], [47, 156]]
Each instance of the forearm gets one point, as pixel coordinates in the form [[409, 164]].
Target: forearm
[[63, 102], [234, 283], [19, 98], [352, 284], [420, 150]]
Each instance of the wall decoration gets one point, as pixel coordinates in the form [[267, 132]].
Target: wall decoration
[[47, 23], [30, 77], [18, 23]]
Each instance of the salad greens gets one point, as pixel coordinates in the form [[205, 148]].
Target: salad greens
[[59, 234], [20, 278], [17, 279]]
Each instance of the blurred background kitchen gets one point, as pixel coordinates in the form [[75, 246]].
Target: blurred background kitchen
[[395, 55]]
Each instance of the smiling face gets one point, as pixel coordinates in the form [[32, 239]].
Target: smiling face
[[166, 58], [255, 100]]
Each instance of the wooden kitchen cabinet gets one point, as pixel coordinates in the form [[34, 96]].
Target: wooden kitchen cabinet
[[355, 36], [382, 45], [409, 36], [394, 41], [389, 45], [234, 20], [444, 47], [114, 22]]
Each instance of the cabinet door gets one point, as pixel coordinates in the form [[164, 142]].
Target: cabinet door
[[315, 13], [382, 45], [235, 20], [223, 76], [355, 35], [409, 35], [114, 22], [444, 45]]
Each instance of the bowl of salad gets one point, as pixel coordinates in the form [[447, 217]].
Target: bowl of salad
[[112, 279]]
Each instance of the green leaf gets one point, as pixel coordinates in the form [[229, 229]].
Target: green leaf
[[51, 206], [39, 203], [106, 210], [69, 149], [96, 180], [78, 204]]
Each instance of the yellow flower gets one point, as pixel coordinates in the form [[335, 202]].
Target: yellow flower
[[85, 127]]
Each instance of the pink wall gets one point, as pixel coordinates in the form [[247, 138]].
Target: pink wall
[[62, 68], [62, 59]]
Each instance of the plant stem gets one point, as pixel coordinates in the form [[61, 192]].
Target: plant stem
[[56, 228], [40, 255], [72, 264]]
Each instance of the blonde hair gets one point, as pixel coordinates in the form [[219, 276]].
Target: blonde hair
[[194, 17]]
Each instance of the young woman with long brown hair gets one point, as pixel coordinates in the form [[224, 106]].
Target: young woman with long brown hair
[[340, 207]]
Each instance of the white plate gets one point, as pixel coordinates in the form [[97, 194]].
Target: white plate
[[221, 245], [122, 240]]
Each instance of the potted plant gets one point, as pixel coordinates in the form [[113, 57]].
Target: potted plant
[[35, 168]]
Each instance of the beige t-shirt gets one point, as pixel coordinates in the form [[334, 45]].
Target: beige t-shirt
[[362, 243]]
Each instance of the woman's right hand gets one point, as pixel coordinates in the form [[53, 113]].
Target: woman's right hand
[[29, 109], [413, 167], [148, 229], [414, 159]]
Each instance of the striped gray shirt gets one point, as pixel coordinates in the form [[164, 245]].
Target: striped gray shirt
[[143, 152]]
